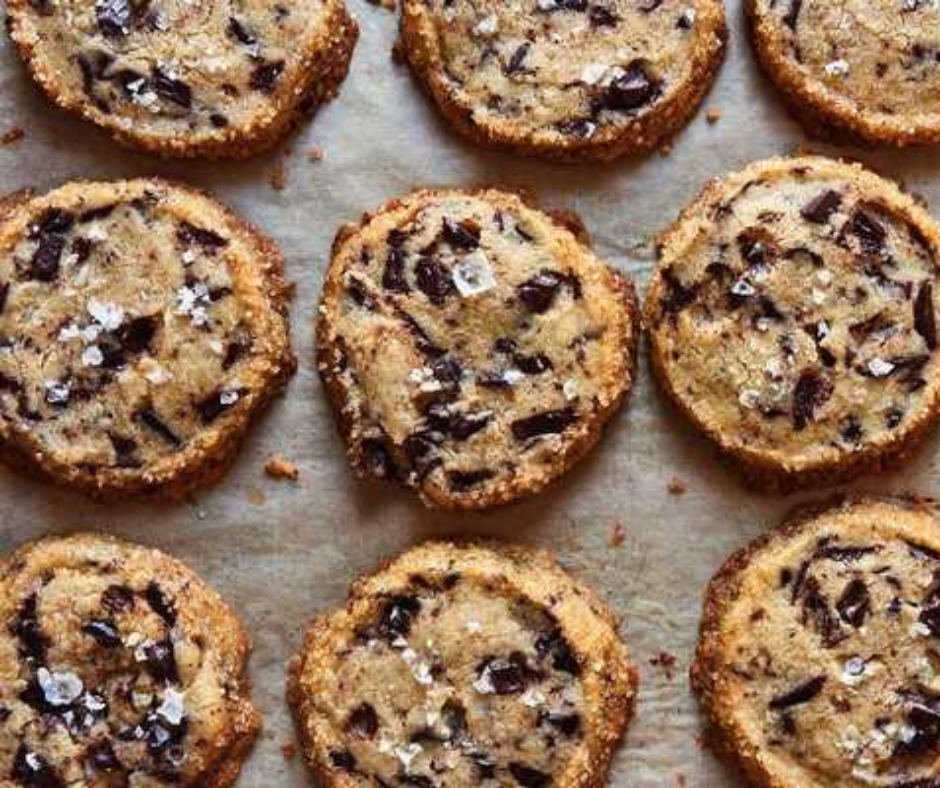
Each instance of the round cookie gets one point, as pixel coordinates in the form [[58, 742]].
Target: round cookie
[[866, 71], [179, 78], [461, 665], [142, 327], [818, 663], [792, 318], [118, 666], [566, 79], [472, 346]]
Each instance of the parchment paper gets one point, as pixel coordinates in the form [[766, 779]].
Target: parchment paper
[[280, 551]]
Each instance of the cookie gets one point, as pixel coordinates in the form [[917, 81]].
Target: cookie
[[817, 663], [792, 318], [472, 346], [118, 666], [186, 79], [461, 666], [565, 79], [142, 327], [865, 73]]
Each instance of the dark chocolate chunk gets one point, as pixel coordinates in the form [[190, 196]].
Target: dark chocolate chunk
[[160, 661], [104, 633], [4, 293], [433, 279], [394, 277], [484, 765], [422, 449], [555, 646], [869, 231], [533, 365], [923, 719], [601, 16], [506, 676], [801, 693], [117, 599], [793, 13], [159, 603], [816, 608], [855, 603], [539, 292], [463, 235], [363, 721], [33, 642], [549, 422], [925, 316], [44, 266], [172, 90], [634, 89], [151, 419], [32, 770], [101, 757], [820, 209], [517, 59], [237, 30], [677, 295], [811, 391], [846, 555], [265, 75], [217, 403], [461, 481], [125, 451], [343, 759], [568, 724], [397, 615], [190, 235], [529, 777], [463, 425], [114, 17], [415, 780]]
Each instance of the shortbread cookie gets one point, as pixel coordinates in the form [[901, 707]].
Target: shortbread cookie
[[818, 661], [461, 666], [864, 70], [472, 346], [792, 317], [118, 666], [142, 326], [566, 79], [183, 78]]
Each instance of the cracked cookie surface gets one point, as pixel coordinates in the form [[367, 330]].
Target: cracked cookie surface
[[461, 666], [566, 79], [792, 318], [818, 661], [118, 666], [473, 347], [142, 326], [183, 78], [868, 70]]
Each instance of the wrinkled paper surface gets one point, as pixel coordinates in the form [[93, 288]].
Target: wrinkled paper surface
[[280, 551]]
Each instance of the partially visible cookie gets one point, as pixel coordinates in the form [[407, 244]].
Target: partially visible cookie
[[472, 346], [460, 666], [818, 661], [177, 78], [118, 666], [792, 318], [566, 79], [868, 71], [142, 327]]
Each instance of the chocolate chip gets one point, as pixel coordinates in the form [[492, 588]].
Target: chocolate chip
[[634, 89], [601, 16], [33, 642], [150, 418], [433, 279], [555, 646], [103, 632], [415, 780], [378, 459], [845, 555], [31, 769], [820, 209], [464, 235], [816, 609], [114, 17], [801, 693], [461, 481], [217, 403], [125, 451], [677, 296], [237, 30], [343, 759], [394, 277], [810, 392], [218, 120], [535, 364], [539, 292], [160, 661], [855, 603], [568, 724], [755, 247], [172, 90], [397, 615], [793, 14], [422, 449], [265, 75], [4, 293], [869, 231], [852, 431], [925, 319], [517, 58], [117, 599], [549, 422], [529, 777], [101, 757], [44, 266], [190, 235], [160, 604], [505, 676], [923, 718], [484, 766], [236, 349], [363, 721]]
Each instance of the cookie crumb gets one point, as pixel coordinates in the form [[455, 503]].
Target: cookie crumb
[[315, 154], [277, 178], [676, 486], [288, 750], [279, 467], [666, 661], [12, 136], [713, 115], [617, 535], [665, 150], [388, 5]]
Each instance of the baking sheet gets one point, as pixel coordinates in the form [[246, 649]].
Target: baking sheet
[[280, 551]]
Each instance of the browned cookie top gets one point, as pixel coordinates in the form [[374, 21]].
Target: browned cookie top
[[819, 661], [444, 671], [793, 313], [138, 321], [117, 667], [473, 347]]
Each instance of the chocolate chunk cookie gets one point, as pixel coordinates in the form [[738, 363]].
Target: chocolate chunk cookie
[[793, 319], [473, 347], [461, 666], [142, 326], [118, 666], [869, 71], [818, 662], [183, 78], [566, 79]]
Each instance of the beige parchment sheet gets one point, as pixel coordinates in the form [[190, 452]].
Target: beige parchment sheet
[[280, 551]]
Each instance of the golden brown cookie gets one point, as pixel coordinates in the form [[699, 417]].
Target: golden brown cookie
[[118, 666], [866, 71], [179, 78], [473, 347], [461, 665], [142, 327], [792, 318], [817, 664], [566, 79]]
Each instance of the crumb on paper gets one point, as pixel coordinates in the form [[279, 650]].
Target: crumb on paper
[[680, 781], [617, 535], [665, 150], [398, 53], [256, 498], [279, 467], [315, 153], [713, 115], [288, 750], [666, 661], [676, 486], [277, 178], [290, 289], [12, 136]]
